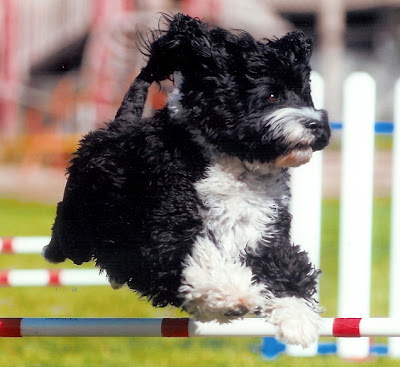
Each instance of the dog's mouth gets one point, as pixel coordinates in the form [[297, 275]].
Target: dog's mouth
[[294, 158]]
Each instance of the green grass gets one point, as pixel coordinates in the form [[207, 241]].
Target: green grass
[[24, 218], [383, 142], [35, 219]]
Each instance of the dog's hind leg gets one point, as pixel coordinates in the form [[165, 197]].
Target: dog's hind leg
[[53, 252]]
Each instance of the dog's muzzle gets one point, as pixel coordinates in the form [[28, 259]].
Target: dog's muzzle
[[321, 131]]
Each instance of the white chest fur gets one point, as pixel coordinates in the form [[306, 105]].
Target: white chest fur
[[240, 206]]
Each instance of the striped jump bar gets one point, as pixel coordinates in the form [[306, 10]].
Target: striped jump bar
[[56, 277], [184, 327], [23, 245]]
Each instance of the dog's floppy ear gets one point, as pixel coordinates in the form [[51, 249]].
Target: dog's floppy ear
[[294, 45], [186, 43]]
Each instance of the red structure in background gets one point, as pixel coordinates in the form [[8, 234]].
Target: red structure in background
[[99, 55], [209, 9], [9, 70], [102, 87], [103, 12]]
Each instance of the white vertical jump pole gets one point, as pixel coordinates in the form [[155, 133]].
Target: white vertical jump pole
[[394, 293], [306, 186], [356, 207]]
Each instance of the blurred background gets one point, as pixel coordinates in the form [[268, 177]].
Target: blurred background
[[64, 68], [65, 65]]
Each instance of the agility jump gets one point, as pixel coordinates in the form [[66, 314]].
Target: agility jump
[[184, 327]]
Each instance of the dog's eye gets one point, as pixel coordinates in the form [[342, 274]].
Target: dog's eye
[[273, 97]]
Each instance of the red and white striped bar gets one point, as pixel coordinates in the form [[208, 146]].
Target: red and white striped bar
[[23, 245], [184, 327], [55, 277]]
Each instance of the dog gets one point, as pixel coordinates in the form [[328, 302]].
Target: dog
[[190, 207]]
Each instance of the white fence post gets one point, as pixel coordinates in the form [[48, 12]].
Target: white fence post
[[306, 185], [394, 280], [356, 207]]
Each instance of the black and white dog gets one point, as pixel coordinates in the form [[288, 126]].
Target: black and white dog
[[190, 207]]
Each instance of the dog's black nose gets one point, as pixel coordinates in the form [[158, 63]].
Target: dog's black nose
[[321, 131], [322, 137], [314, 124]]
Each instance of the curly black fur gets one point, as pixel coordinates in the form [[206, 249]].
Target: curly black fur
[[130, 202]]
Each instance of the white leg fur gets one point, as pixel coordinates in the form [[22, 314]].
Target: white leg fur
[[216, 287], [297, 322], [239, 210]]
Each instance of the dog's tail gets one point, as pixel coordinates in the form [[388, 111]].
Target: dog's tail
[[135, 98]]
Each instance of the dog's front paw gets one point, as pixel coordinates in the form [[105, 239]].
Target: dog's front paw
[[302, 331], [241, 310], [297, 323], [223, 301], [216, 288]]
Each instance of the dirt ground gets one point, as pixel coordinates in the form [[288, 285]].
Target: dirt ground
[[47, 184], [33, 184], [332, 173]]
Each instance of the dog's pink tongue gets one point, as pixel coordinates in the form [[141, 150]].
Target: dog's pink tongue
[[294, 158]]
